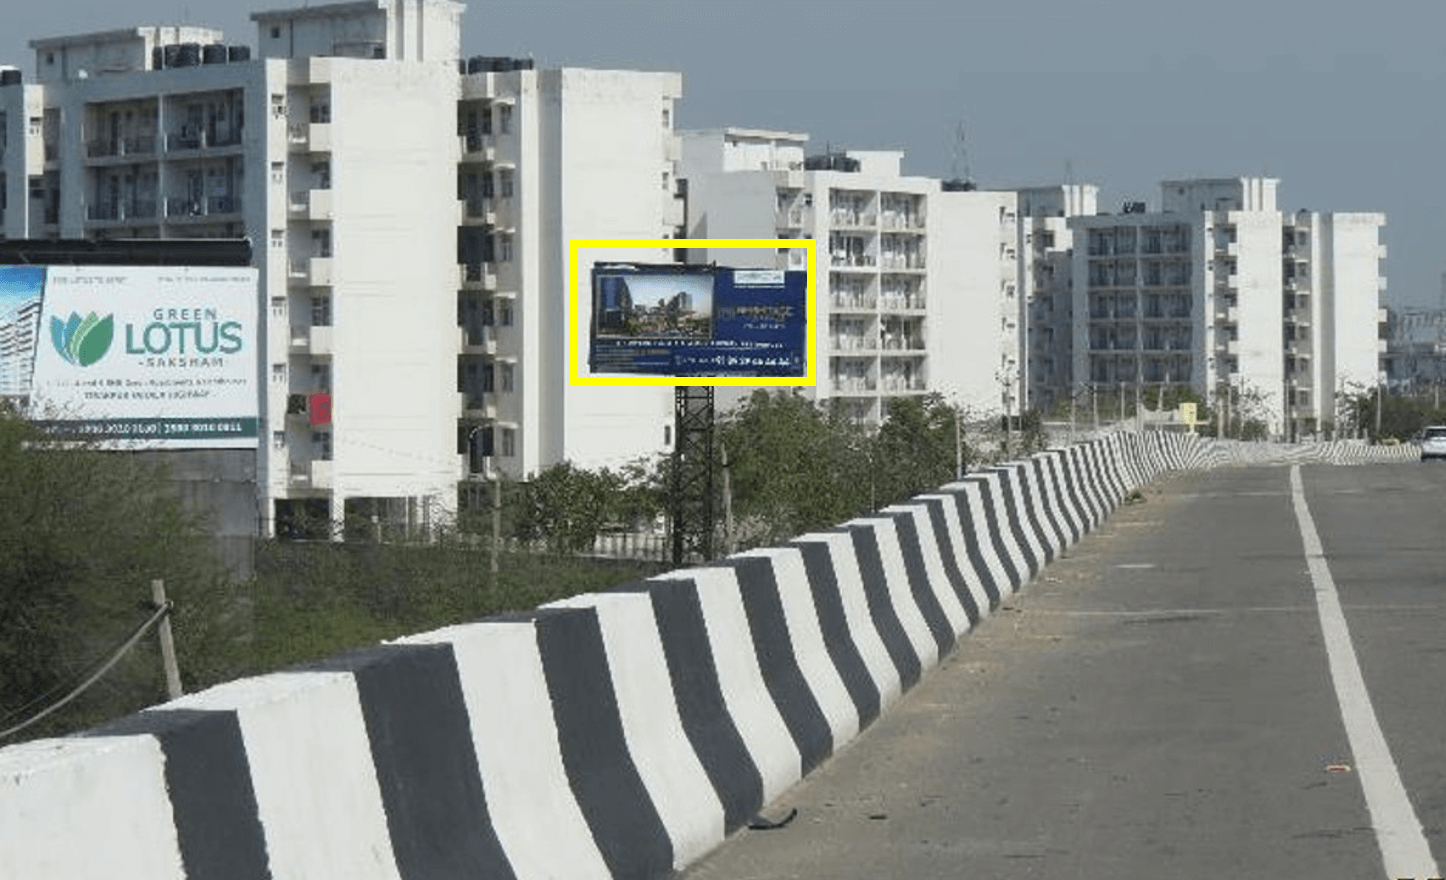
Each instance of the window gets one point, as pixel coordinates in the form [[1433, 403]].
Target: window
[[505, 314], [321, 377], [278, 172], [278, 439], [278, 238], [278, 372], [275, 32], [322, 441], [321, 311], [507, 371], [504, 248], [504, 184], [321, 241], [504, 118], [665, 181], [667, 117], [509, 442]]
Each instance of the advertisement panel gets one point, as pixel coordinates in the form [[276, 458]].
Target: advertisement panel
[[690, 321], [148, 357]]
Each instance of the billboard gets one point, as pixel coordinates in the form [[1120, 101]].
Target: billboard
[[695, 321], [134, 356]]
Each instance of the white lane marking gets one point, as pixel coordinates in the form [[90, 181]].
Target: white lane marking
[[1136, 565], [1293, 609], [1398, 832]]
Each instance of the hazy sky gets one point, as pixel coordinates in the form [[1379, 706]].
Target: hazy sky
[[1339, 100]]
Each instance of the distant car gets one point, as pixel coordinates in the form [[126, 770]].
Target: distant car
[[1433, 442]]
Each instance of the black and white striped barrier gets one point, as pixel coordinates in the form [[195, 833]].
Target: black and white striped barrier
[[613, 735]]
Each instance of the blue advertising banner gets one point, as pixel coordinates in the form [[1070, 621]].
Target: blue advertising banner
[[697, 321]]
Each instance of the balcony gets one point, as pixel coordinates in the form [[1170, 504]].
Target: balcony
[[898, 222], [478, 147], [478, 405], [852, 261], [852, 385], [311, 271], [190, 140], [790, 218], [309, 137], [853, 342], [122, 212], [121, 148], [901, 303], [674, 213], [310, 204], [319, 341], [479, 340], [183, 208], [315, 474], [478, 276], [855, 302], [844, 219], [479, 211], [905, 262]]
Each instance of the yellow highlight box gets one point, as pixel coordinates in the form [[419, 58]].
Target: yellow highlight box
[[575, 330]]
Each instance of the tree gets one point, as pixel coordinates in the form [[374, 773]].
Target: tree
[[794, 466], [914, 450], [83, 531], [566, 506]]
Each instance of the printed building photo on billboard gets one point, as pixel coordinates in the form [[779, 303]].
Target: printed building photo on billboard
[[698, 321], [131, 356], [636, 306]]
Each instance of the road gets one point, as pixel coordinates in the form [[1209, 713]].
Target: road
[[1170, 700]]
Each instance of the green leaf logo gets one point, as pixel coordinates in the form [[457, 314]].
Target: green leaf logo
[[82, 341]]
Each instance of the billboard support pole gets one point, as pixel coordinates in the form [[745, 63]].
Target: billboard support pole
[[692, 500]]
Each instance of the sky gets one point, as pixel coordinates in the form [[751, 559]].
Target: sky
[[1338, 100]]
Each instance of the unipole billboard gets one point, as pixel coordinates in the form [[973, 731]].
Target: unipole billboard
[[134, 357]]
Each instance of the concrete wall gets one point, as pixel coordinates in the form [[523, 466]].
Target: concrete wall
[[631, 731]]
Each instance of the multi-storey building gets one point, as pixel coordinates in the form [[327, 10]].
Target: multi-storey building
[[19, 328], [1208, 293], [1334, 337], [391, 198], [1045, 295], [549, 156], [914, 283]]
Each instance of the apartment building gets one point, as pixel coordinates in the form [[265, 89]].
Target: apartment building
[[1206, 292], [913, 282], [549, 156], [1045, 293], [409, 213], [1334, 327]]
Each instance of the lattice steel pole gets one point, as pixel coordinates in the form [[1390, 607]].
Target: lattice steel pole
[[693, 474]]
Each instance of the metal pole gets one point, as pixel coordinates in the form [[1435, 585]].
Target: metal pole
[[727, 500], [1379, 383], [958, 445], [168, 646], [496, 519]]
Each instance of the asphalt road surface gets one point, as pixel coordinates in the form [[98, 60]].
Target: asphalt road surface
[[1173, 699]]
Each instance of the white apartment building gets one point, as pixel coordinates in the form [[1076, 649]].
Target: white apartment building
[[1205, 292], [1045, 294], [1335, 344], [409, 220], [550, 156], [914, 284]]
